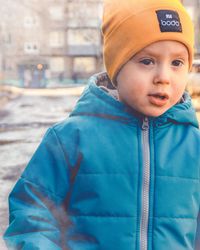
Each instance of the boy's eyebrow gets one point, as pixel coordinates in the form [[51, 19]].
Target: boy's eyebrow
[[178, 53]]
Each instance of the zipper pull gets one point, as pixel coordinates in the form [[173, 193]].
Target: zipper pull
[[145, 123]]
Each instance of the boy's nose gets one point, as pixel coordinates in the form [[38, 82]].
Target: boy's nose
[[162, 75]]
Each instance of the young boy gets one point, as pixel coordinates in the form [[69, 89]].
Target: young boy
[[122, 172]]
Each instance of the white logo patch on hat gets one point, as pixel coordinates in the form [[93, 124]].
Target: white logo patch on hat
[[169, 21]]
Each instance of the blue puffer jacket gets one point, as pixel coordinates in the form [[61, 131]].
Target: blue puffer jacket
[[108, 178]]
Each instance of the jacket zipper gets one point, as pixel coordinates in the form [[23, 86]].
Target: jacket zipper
[[145, 185]]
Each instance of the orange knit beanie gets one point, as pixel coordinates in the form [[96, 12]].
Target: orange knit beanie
[[130, 25]]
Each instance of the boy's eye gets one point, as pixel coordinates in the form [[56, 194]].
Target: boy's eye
[[177, 63], [147, 61]]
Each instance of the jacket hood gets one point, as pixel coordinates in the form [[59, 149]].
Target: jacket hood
[[100, 99]]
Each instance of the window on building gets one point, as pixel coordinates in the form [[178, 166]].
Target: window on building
[[84, 64], [83, 10], [56, 13], [56, 39], [31, 21], [31, 48], [57, 64], [83, 37], [7, 38]]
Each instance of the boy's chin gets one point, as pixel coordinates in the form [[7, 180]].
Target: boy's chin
[[154, 113]]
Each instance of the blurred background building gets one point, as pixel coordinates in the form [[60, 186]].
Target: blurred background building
[[45, 41], [50, 42], [193, 8]]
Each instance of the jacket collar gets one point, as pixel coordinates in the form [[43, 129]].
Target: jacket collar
[[100, 98]]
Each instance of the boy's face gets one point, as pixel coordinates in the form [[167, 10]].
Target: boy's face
[[155, 78]]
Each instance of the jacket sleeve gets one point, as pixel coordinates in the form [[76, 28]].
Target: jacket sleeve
[[38, 218]]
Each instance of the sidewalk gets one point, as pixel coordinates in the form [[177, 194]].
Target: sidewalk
[[8, 93], [75, 91]]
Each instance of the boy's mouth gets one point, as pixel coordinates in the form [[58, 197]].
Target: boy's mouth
[[158, 99]]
